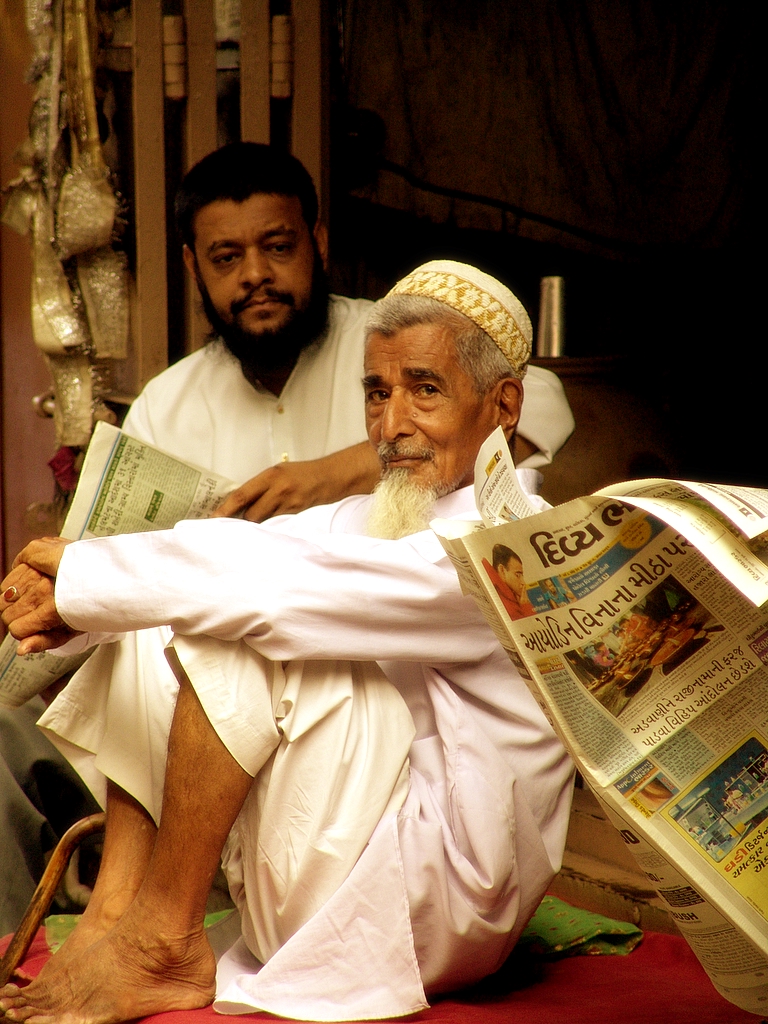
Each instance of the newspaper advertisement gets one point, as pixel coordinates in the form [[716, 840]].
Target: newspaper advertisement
[[125, 486], [639, 617]]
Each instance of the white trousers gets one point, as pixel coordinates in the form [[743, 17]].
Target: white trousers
[[326, 742]]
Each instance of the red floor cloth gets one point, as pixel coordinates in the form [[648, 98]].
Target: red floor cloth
[[660, 982]]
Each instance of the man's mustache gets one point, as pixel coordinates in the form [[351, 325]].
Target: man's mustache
[[238, 305], [388, 450]]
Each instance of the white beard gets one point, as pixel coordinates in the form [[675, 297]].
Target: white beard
[[401, 506]]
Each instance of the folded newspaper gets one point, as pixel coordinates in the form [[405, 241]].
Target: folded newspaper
[[125, 486], [638, 617]]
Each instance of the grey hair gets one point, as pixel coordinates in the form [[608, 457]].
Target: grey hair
[[478, 354]]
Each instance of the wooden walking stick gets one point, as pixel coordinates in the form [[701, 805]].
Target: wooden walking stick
[[44, 893]]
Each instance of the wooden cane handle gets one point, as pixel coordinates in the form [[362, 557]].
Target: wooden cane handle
[[44, 893]]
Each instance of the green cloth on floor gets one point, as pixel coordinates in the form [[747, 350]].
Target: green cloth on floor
[[558, 929], [58, 926], [57, 929]]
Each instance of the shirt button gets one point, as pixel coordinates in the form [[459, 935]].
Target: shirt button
[[280, 408]]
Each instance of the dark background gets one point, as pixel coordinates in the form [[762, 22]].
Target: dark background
[[612, 143]]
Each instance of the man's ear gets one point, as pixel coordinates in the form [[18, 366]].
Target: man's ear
[[321, 241], [190, 260], [509, 404]]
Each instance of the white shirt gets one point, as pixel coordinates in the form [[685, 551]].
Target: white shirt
[[203, 410], [443, 890]]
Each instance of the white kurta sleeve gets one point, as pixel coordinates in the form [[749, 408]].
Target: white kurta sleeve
[[291, 592]]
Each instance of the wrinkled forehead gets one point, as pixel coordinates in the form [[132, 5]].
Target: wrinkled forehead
[[421, 346]]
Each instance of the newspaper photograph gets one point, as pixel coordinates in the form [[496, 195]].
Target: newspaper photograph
[[734, 963]]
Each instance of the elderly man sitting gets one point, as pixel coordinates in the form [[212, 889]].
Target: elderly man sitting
[[390, 801]]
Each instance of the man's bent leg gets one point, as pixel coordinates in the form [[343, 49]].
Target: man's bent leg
[[157, 957], [113, 718], [129, 840], [340, 767]]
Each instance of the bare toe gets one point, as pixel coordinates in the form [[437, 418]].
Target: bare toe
[[120, 978], [10, 996], [21, 1013]]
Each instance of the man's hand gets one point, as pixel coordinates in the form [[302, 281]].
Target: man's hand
[[27, 600], [294, 486]]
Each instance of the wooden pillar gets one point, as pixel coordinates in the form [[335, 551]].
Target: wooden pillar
[[201, 80], [200, 129], [310, 140], [150, 310], [254, 71]]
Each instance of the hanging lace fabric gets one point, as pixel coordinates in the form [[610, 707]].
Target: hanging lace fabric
[[65, 200]]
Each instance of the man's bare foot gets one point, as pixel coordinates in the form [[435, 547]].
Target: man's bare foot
[[99, 918], [124, 975]]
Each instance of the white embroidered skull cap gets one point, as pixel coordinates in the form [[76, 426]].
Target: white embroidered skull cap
[[486, 301]]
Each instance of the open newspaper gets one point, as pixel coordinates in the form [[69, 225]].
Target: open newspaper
[[638, 617], [125, 486]]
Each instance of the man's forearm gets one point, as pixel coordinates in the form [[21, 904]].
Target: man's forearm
[[314, 595], [294, 486]]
